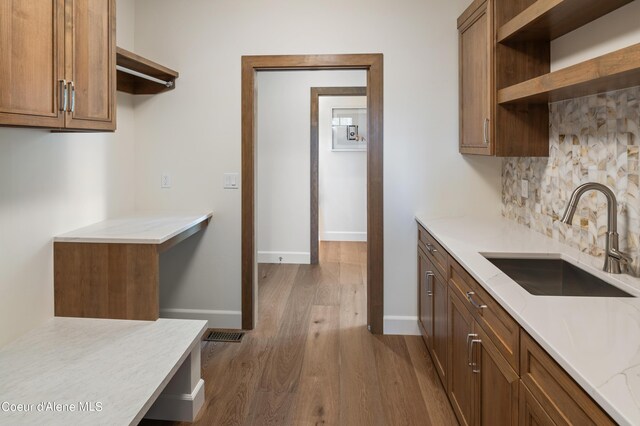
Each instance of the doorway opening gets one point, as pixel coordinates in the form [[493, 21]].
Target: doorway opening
[[373, 65]]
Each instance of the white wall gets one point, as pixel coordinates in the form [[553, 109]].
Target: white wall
[[194, 131], [342, 193], [283, 159], [614, 31], [50, 184]]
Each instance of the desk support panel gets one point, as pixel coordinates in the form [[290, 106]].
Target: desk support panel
[[117, 281]]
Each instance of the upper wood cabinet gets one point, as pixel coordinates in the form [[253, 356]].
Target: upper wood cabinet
[[487, 128], [475, 83], [57, 58], [505, 78]]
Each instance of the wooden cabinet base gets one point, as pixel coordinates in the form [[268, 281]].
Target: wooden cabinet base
[[118, 281]]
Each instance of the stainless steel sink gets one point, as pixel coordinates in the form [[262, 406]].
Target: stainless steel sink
[[555, 277]]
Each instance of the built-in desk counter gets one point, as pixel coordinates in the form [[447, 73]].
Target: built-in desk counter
[[111, 269], [80, 371]]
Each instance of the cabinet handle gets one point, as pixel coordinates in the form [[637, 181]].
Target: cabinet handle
[[470, 338], [431, 248], [72, 89], [62, 93], [473, 302], [429, 275], [485, 131], [474, 365]]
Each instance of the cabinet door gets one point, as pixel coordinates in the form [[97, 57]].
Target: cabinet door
[[90, 64], [440, 326], [476, 82], [497, 398], [460, 379], [425, 280], [31, 62], [531, 412]]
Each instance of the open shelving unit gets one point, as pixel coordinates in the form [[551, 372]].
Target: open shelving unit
[[546, 20], [613, 71], [140, 76]]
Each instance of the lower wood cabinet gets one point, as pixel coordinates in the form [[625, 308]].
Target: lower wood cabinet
[[493, 372], [482, 387], [433, 292]]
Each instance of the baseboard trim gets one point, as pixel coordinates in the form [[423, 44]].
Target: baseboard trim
[[401, 325], [343, 236], [216, 319], [293, 257]]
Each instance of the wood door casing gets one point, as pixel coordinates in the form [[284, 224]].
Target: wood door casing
[[460, 380], [90, 63], [316, 92], [373, 64], [476, 82], [32, 52]]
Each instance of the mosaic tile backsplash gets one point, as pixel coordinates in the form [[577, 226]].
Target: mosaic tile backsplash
[[592, 139]]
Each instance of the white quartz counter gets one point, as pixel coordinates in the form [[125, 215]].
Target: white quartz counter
[[138, 228], [117, 368], [596, 340]]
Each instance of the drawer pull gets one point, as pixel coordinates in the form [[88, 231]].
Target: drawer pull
[[473, 302], [431, 248]]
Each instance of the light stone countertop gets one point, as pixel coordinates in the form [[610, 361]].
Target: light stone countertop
[[124, 365], [136, 228], [596, 340]]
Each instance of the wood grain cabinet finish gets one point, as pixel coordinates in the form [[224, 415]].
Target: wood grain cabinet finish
[[57, 59], [433, 291], [425, 274], [562, 399], [493, 372], [486, 127], [531, 412], [475, 82]]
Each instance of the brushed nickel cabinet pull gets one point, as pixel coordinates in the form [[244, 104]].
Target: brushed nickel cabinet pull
[[429, 275], [470, 338], [473, 302], [485, 131], [62, 93], [474, 365], [72, 89]]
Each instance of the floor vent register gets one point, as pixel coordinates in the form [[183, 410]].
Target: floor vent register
[[224, 336]]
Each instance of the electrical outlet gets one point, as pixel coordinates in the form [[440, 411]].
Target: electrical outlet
[[524, 188], [165, 181]]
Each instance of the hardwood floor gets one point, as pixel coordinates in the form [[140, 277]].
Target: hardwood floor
[[311, 360]]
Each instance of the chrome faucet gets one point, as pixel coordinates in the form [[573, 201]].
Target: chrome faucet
[[613, 257]]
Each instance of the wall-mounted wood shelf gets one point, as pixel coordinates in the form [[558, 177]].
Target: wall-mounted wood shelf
[[613, 71], [142, 76], [547, 20]]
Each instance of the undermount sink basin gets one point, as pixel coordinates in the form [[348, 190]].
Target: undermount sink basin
[[555, 277]]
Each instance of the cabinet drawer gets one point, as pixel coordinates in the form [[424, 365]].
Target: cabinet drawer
[[503, 330], [438, 255], [559, 395]]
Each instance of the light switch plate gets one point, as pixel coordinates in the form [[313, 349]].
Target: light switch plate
[[524, 188], [165, 181], [231, 180]]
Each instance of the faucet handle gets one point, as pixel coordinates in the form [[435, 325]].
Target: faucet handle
[[621, 256]]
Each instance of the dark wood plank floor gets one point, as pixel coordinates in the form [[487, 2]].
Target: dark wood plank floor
[[311, 360]]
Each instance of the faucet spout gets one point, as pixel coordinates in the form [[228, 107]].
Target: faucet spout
[[613, 256]]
